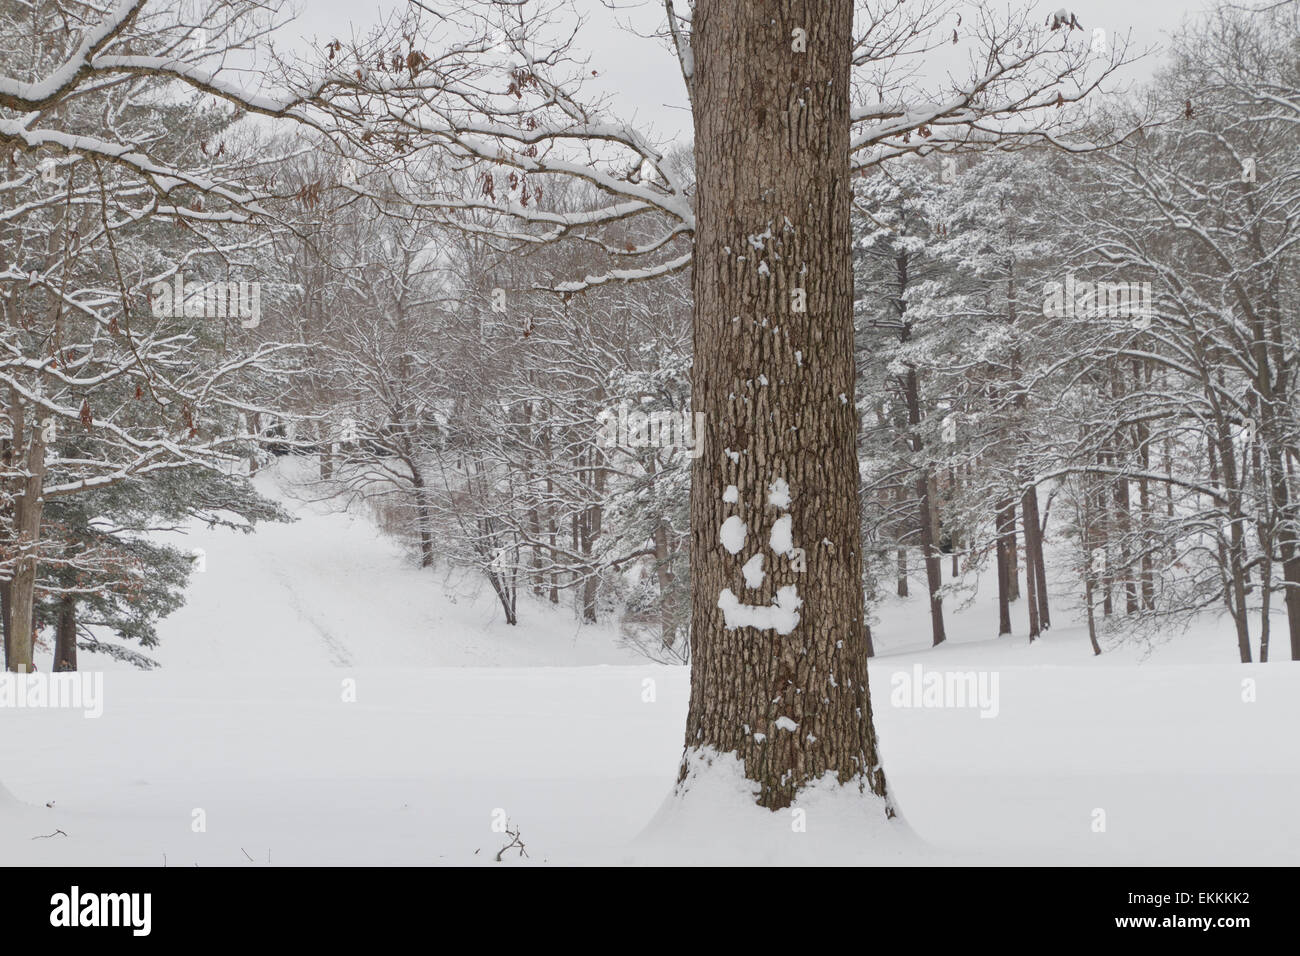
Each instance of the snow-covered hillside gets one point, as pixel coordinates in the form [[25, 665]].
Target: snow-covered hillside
[[321, 701]]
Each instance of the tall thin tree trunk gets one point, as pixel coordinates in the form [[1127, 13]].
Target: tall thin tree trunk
[[1104, 541], [552, 525], [926, 506], [423, 518], [1143, 373], [591, 529], [1265, 605], [65, 635], [5, 587], [952, 535], [326, 459], [255, 429], [27, 520], [1124, 520], [1084, 514], [902, 550], [1034, 542], [1006, 517], [1013, 558], [1273, 370], [1031, 570], [1144, 517], [933, 559], [664, 575], [1237, 582], [1286, 516], [535, 552]]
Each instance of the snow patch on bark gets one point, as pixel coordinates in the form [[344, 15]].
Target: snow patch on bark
[[779, 494], [782, 538], [732, 534]]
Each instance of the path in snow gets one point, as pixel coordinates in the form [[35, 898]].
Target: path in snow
[[330, 591]]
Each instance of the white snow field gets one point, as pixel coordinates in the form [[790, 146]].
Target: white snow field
[[461, 722]]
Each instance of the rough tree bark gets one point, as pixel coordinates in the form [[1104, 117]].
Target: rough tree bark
[[774, 376]]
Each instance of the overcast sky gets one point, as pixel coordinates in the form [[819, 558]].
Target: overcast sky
[[641, 78]]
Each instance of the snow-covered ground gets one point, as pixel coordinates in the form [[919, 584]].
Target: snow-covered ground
[[323, 702]]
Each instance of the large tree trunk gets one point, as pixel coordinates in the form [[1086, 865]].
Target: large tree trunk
[[784, 688]]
